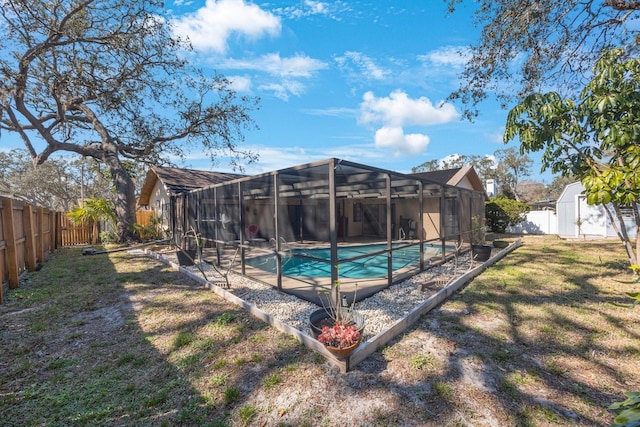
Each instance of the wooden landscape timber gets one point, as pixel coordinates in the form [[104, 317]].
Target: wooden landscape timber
[[372, 344]]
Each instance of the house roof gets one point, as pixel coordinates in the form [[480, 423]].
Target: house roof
[[177, 180], [309, 180], [454, 176]]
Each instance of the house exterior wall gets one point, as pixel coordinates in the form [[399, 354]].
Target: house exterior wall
[[431, 218], [465, 183], [159, 204]]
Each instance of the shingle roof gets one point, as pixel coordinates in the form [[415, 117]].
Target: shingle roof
[[440, 176], [177, 180], [454, 176]]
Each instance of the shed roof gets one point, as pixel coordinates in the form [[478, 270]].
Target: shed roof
[[178, 180]]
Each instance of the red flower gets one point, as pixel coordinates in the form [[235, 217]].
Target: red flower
[[339, 335]]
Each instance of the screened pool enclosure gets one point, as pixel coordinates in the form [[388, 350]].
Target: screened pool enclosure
[[302, 228]]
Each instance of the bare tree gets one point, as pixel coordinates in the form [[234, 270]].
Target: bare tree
[[525, 45], [506, 167], [511, 167], [108, 80]]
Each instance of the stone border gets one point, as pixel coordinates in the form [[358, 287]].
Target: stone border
[[371, 345]]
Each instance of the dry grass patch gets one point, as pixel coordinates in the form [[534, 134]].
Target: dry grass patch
[[123, 340]]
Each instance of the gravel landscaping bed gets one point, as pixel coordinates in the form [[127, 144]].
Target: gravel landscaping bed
[[380, 310]]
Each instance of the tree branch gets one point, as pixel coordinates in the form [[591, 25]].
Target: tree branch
[[623, 5]]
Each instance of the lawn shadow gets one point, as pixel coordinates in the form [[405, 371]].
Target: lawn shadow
[[123, 340], [537, 349]]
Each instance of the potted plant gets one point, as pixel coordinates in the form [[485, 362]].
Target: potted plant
[[479, 250], [337, 325], [500, 244], [340, 339], [188, 252]]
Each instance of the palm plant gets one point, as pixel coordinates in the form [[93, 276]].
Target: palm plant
[[91, 212]]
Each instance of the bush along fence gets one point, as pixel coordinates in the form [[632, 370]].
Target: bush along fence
[[28, 234]]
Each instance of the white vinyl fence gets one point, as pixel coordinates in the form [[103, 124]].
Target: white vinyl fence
[[537, 222]]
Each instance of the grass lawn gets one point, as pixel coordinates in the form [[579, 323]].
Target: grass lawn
[[124, 340]]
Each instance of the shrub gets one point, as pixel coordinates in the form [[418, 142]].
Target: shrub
[[502, 212]]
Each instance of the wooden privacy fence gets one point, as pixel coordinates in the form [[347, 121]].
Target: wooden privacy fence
[[28, 234], [144, 217], [72, 234]]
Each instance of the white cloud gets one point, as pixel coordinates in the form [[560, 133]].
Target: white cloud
[[333, 10], [272, 63], [497, 136], [395, 139], [447, 56], [210, 27], [289, 72], [283, 89], [399, 110], [361, 67], [331, 112], [240, 83], [317, 7]]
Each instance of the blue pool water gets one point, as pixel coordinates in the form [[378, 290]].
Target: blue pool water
[[372, 266]]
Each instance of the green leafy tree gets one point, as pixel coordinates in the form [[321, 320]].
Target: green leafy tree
[[594, 138], [91, 212], [108, 80], [532, 191], [627, 411], [527, 45], [450, 162], [503, 212]]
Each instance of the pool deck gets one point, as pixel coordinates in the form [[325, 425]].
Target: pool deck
[[317, 289]]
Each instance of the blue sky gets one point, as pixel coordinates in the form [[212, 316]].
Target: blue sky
[[360, 80], [364, 81]]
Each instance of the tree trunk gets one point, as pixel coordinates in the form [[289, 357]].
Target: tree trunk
[[636, 217], [621, 231], [125, 203]]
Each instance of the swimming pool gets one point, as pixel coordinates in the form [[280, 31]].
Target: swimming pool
[[366, 267]]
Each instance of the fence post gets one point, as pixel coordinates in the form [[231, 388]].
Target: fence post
[[3, 249], [51, 219], [40, 239], [59, 241], [10, 240], [29, 234]]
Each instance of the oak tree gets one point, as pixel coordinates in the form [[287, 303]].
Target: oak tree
[[109, 80], [527, 45]]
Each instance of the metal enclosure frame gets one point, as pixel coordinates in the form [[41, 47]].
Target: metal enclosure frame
[[330, 203]]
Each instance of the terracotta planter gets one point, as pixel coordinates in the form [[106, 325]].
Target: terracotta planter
[[342, 353]]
